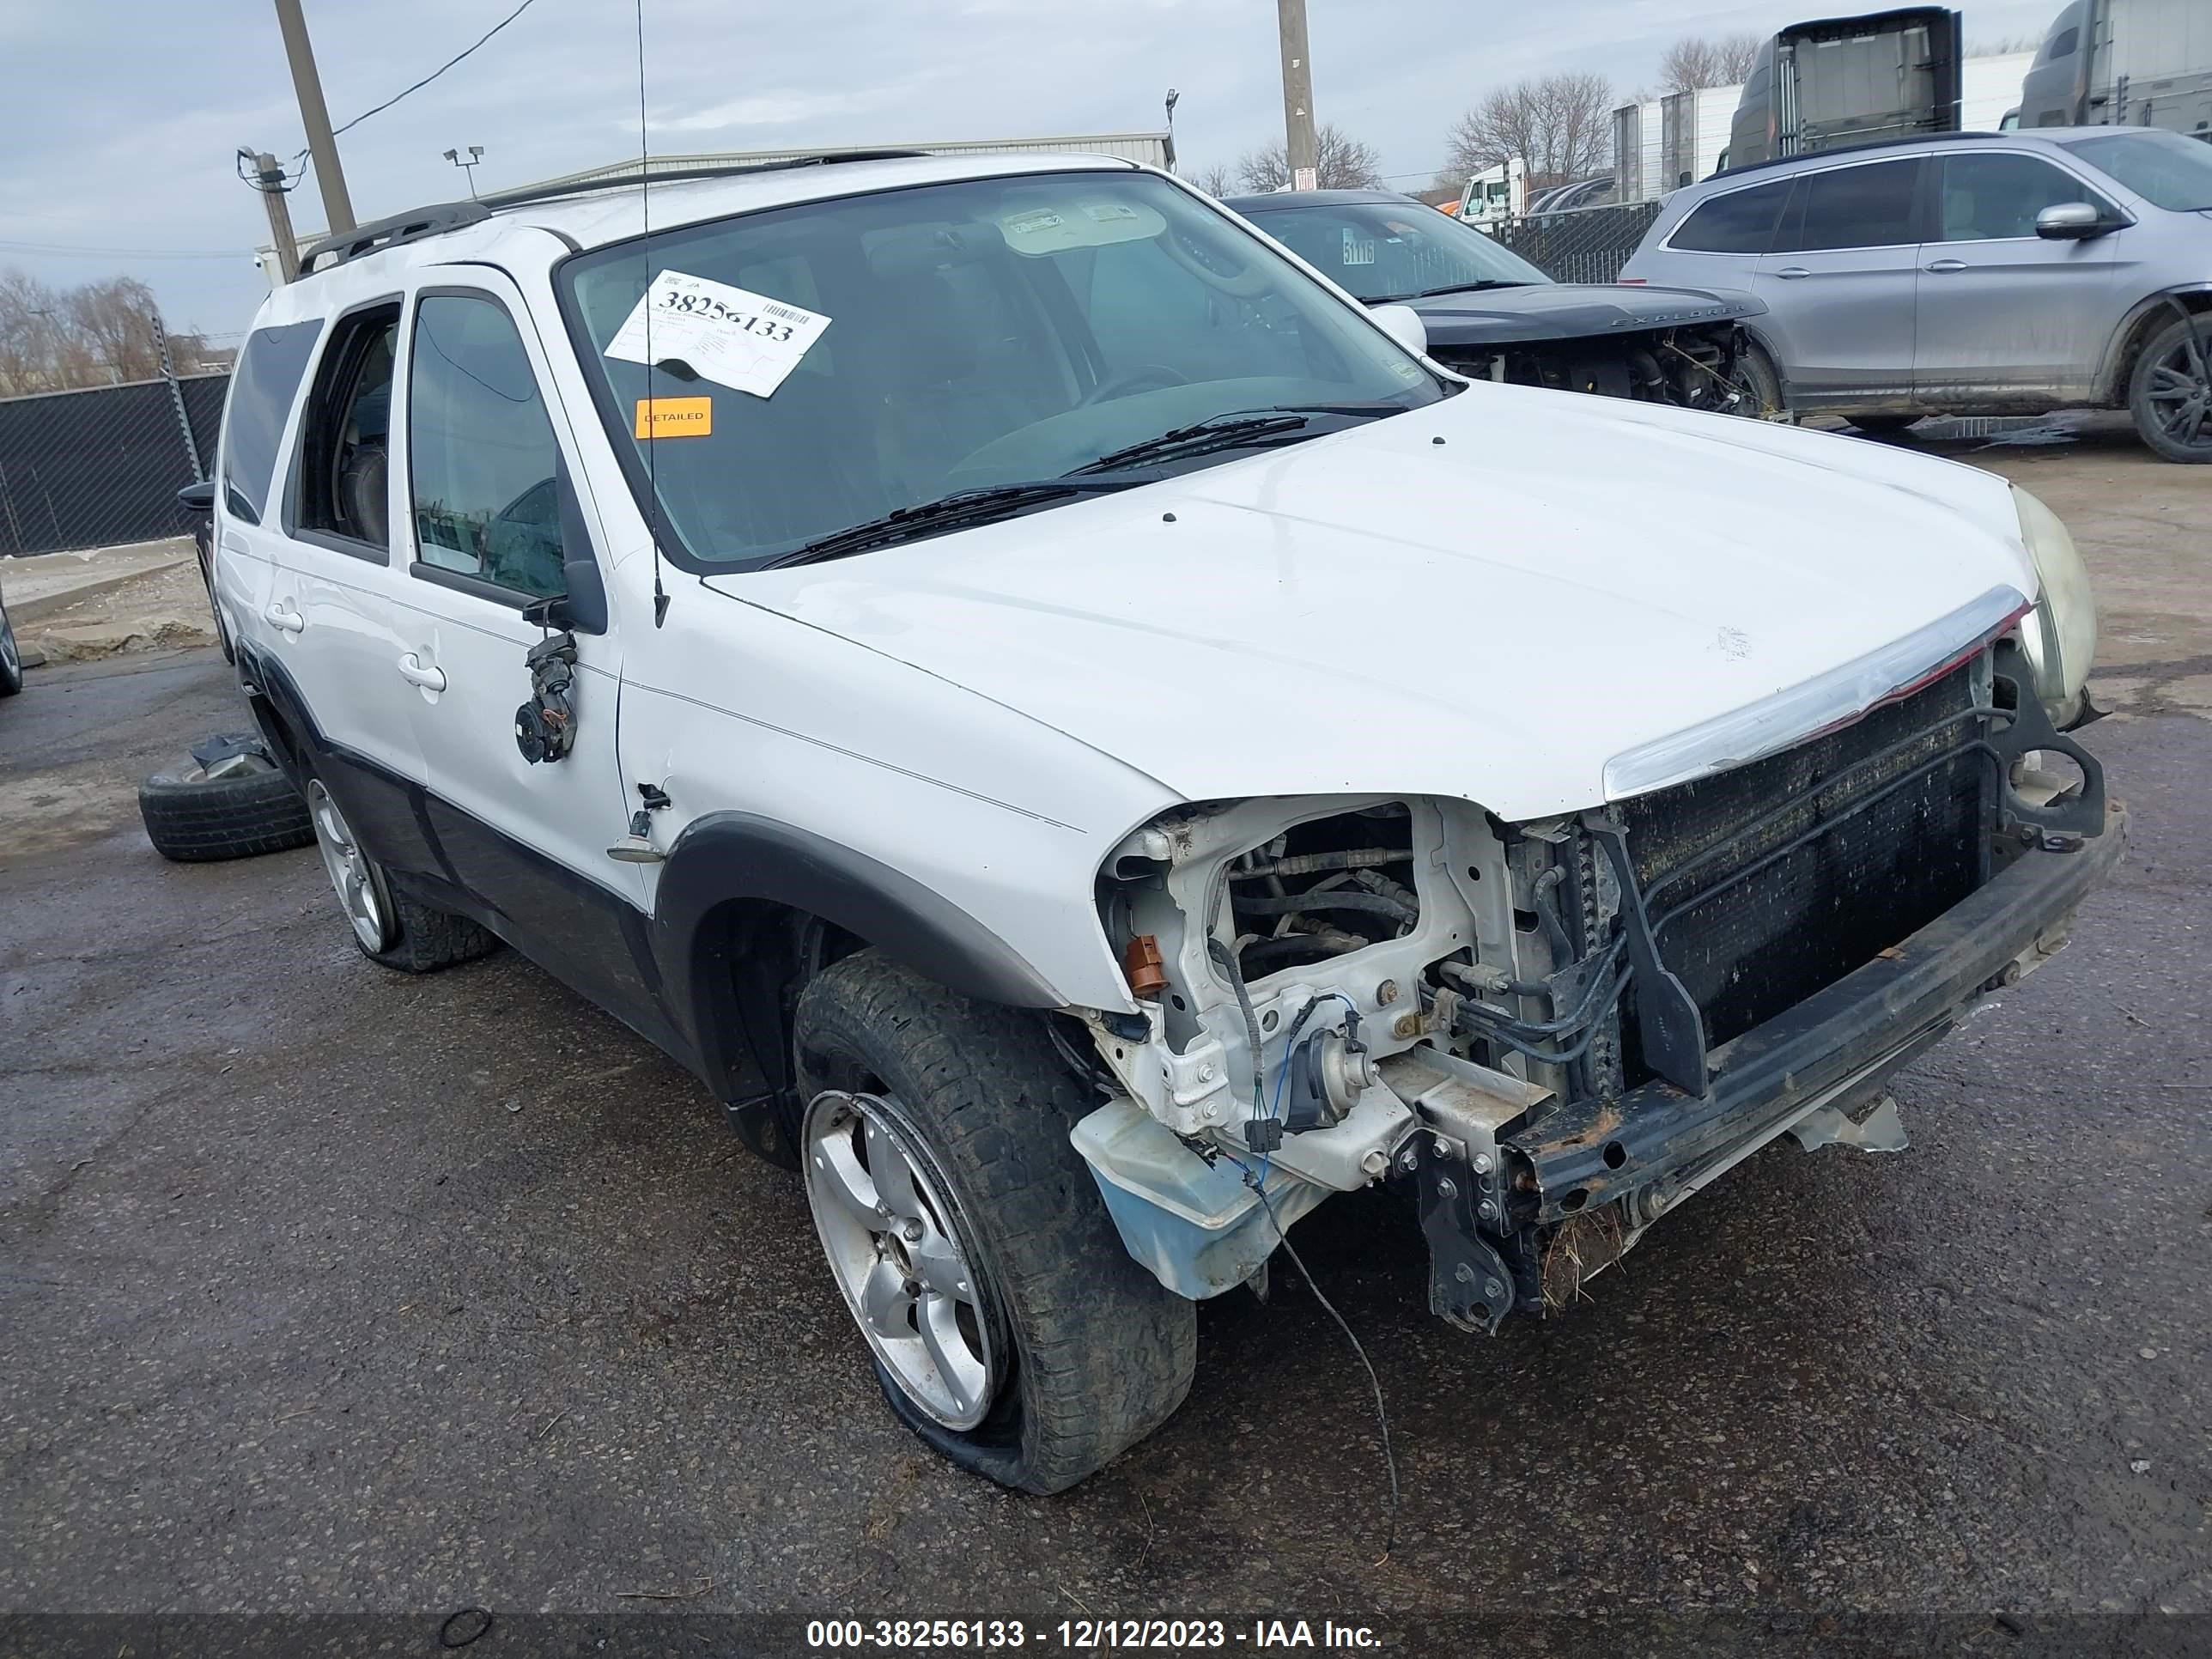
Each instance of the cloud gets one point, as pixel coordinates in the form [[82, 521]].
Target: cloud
[[122, 115], [784, 107]]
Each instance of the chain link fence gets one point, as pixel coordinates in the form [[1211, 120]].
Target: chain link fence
[[101, 466], [1581, 244]]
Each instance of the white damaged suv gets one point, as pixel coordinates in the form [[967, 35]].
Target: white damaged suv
[[987, 661]]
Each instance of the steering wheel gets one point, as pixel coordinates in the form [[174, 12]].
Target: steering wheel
[[1142, 377]]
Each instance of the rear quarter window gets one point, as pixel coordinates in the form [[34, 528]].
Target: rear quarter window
[[270, 367], [1741, 221]]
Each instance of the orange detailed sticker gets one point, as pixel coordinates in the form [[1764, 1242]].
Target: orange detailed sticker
[[675, 417]]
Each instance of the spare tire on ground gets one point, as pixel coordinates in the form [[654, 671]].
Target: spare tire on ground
[[231, 802]]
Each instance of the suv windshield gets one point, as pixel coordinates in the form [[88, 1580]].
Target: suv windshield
[[822, 366], [1385, 251], [2164, 169]]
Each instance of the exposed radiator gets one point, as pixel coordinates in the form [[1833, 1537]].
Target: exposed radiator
[[1831, 876]]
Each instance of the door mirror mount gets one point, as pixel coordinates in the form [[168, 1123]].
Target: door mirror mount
[[2070, 222], [585, 601], [1403, 323]]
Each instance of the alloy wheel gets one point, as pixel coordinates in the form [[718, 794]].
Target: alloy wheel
[[2180, 395], [351, 876], [898, 1249]]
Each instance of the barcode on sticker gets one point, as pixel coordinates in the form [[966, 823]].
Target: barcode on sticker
[[784, 312]]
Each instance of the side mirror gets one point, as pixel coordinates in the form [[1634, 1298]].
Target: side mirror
[[1403, 323], [197, 497], [2069, 222], [585, 601]]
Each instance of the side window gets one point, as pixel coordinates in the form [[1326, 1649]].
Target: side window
[[2060, 45], [1989, 197], [1741, 221], [343, 473], [270, 366], [481, 453], [1868, 206]]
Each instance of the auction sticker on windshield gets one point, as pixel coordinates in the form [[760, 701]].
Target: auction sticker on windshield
[[731, 336]]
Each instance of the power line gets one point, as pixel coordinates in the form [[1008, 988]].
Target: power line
[[438, 71], [58, 249]]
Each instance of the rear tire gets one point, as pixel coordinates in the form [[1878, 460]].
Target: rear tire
[[388, 926], [203, 544], [2170, 392], [11, 659], [1088, 1352], [192, 818]]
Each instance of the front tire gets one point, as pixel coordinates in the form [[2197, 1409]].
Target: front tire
[[1760, 383], [1069, 1351], [2170, 392]]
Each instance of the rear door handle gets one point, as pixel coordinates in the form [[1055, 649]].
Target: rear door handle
[[291, 620], [1791, 273], [413, 670], [1945, 267]]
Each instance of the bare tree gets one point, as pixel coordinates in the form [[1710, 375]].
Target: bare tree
[[1561, 124], [1709, 60], [1341, 162], [2004, 45], [1216, 178], [53, 340], [115, 318]]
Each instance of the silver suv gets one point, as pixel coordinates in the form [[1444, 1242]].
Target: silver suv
[[1975, 274]]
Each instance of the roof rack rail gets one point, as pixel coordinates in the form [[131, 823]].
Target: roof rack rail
[[1849, 149], [416, 223], [411, 225], [552, 192]]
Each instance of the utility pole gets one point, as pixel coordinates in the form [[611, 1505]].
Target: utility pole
[[268, 180], [338, 206], [1301, 148]]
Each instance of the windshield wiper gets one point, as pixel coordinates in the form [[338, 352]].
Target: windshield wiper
[[1234, 430], [1450, 287], [954, 512]]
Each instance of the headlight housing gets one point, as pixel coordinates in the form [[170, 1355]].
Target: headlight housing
[[2060, 637]]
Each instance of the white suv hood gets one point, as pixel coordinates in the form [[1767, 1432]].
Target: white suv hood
[[1489, 598]]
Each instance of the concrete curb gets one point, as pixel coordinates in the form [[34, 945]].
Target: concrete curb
[[21, 611]]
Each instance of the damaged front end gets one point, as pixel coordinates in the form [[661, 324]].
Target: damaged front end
[[1548, 1035], [1690, 350]]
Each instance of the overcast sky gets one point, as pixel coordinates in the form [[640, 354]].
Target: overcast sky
[[121, 117]]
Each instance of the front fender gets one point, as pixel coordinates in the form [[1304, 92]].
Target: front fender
[[728, 856]]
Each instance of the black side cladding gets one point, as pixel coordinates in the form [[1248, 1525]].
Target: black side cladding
[[1845, 866]]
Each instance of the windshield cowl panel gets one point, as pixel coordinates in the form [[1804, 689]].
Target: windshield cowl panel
[[839, 362]]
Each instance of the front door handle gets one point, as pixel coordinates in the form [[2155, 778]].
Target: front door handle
[[1791, 273], [291, 620], [413, 670], [1945, 267]]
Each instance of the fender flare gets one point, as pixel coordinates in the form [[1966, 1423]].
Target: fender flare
[[2110, 382], [729, 857]]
